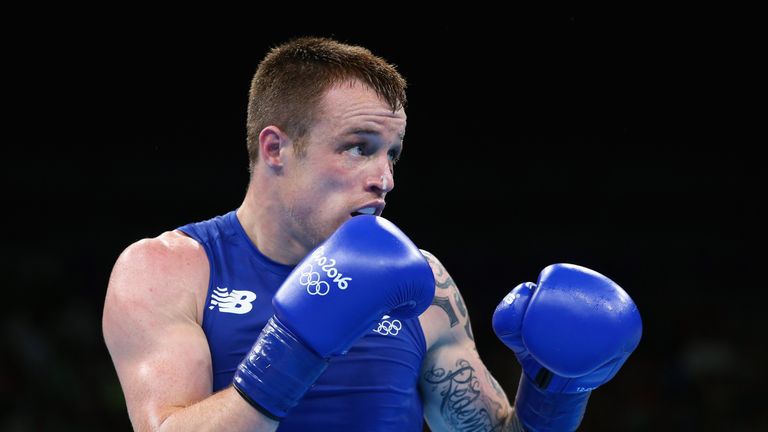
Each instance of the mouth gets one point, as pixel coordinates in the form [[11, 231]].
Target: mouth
[[375, 209]]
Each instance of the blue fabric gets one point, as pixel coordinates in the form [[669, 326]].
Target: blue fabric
[[373, 387], [541, 411]]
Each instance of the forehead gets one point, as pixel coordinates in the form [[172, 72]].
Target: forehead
[[352, 106]]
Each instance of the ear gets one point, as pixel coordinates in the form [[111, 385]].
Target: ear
[[273, 143]]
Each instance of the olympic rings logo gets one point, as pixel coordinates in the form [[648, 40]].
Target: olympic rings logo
[[311, 279], [389, 328]]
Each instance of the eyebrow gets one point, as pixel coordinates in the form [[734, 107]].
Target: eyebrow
[[368, 131]]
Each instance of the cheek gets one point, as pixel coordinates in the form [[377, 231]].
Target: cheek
[[334, 179], [325, 190]]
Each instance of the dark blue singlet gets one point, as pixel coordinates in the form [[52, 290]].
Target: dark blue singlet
[[374, 387]]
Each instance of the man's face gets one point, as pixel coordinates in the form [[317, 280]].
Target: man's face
[[348, 163]]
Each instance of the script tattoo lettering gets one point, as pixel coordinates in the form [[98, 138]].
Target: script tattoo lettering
[[463, 405]]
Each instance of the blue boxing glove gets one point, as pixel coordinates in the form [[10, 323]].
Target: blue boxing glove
[[571, 333], [368, 268]]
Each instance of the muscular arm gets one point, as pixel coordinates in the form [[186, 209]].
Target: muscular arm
[[151, 328], [458, 390]]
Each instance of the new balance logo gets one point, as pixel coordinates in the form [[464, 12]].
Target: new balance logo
[[388, 327], [235, 301]]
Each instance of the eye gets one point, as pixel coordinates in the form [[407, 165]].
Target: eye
[[356, 149]]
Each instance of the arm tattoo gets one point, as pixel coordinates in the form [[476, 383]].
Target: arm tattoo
[[468, 329], [443, 302], [442, 279], [459, 302], [445, 305], [446, 283], [464, 407]]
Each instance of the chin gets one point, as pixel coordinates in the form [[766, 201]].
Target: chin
[[332, 227], [324, 228], [322, 233]]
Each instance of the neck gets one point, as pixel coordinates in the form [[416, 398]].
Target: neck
[[266, 224]]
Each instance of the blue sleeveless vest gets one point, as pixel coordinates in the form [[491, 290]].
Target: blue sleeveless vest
[[374, 387]]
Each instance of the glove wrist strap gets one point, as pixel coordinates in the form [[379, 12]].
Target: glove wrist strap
[[539, 410], [277, 371]]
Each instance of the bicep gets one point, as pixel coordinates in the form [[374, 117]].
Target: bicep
[[159, 351]]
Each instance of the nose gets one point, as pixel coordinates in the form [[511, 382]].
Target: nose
[[381, 184]]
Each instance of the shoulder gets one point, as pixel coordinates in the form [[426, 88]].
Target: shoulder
[[169, 256], [444, 283], [152, 326], [447, 319], [167, 270], [166, 248], [442, 278]]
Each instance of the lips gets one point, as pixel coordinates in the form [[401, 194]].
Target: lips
[[373, 208]]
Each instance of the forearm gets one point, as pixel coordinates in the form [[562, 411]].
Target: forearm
[[463, 395], [225, 410], [512, 424]]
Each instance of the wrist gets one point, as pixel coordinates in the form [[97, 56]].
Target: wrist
[[539, 410], [277, 371]]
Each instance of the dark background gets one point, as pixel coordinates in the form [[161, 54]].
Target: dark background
[[617, 140]]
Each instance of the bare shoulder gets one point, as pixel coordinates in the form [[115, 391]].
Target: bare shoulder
[[169, 270], [171, 254], [151, 325], [447, 319]]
